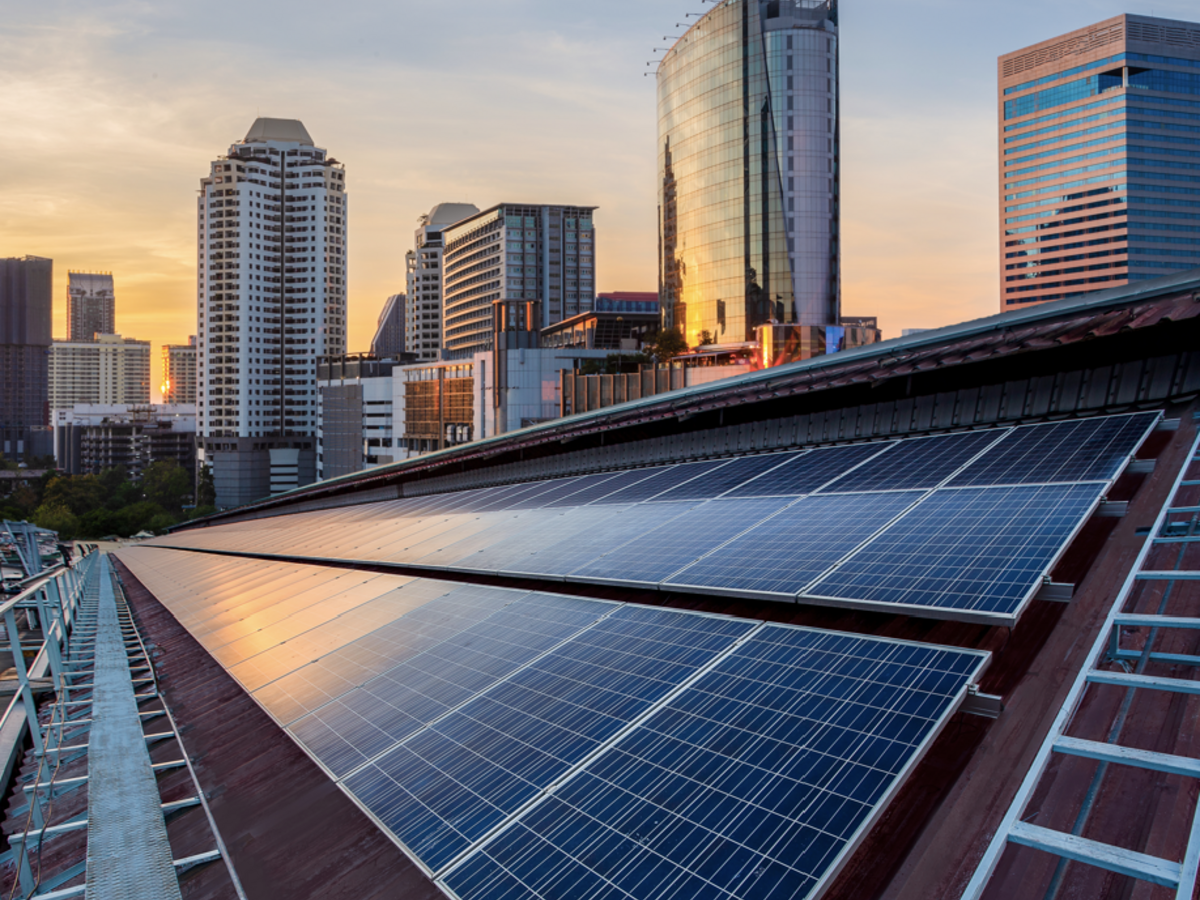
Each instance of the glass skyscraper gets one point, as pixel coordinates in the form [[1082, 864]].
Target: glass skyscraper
[[748, 170], [1099, 159]]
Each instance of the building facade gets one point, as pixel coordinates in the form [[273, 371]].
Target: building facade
[[748, 137], [90, 438], [1099, 181], [512, 268], [179, 372], [109, 369], [389, 331], [26, 308], [618, 322], [91, 305], [356, 415], [423, 266], [271, 298]]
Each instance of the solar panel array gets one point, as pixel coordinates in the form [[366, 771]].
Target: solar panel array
[[529, 745], [958, 526]]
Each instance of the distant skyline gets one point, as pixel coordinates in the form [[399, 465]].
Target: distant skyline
[[112, 111]]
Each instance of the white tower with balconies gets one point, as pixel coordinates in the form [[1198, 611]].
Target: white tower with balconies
[[271, 300]]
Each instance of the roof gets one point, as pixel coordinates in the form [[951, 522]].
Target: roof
[[265, 129], [449, 213]]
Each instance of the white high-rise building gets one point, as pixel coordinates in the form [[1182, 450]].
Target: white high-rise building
[[108, 369], [423, 313], [271, 298]]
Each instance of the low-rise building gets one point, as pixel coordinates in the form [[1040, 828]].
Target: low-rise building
[[89, 438]]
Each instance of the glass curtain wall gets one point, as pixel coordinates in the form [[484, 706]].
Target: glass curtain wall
[[747, 165]]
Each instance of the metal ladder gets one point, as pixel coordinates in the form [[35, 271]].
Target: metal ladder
[[1170, 528]]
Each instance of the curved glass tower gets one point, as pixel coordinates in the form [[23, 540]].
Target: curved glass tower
[[748, 170]]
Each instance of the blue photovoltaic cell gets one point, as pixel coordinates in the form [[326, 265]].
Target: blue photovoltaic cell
[[654, 555], [368, 720], [448, 786], [661, 479], [790, 550], [718, 481], [345, 668], [567, 555], [976, 549], [916, 463], [602, 487], [750, 783], [809, 471], [510, 551], [1082, 450]]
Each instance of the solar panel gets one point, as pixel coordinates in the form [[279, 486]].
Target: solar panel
[[718, 481], [652, 556], [449, 785], [509, 551], [971, 550], [809, 471], [756, 781], [916, 463], [368, 720], [662, 479], [1081, 450], [567, 555], [790, 550]]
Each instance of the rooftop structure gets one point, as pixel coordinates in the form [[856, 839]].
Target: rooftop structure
[[808, 629]]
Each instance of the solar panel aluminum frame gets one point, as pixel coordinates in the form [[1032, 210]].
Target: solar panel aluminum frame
[[954, 614], [952, 709], [970, 686]]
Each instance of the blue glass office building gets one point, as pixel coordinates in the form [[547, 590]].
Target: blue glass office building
[[748, 170], [1099, 159]]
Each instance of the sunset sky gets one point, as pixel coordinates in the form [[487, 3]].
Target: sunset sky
[[110, 113]]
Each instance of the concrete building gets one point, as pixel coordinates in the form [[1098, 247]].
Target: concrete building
[[356, 431], [389, 332], [618, 322], [109, 369], [1099, 182], [423, 265], [515, 268], [271, 299], [91, 305], [748, 137], [179, 372], [89, 438], [26, 306]]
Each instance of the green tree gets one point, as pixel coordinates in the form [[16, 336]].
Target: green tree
[[79, 493], [57, 517], [166, 483], [201, 511], [160, 523], [668, 344], [113, 480], [137, 517], [206, 489], [98, 523]]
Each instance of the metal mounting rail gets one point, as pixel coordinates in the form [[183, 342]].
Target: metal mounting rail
[[1180, 876]]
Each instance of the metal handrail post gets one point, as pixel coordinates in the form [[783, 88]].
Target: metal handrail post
[[10, 622]]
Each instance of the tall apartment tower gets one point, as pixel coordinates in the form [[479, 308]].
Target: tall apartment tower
[[179, 372], [91, 305], [389, 331], [26, 305], [423, 309], [1099, 167], [748, 148], [106, 368], [515, 267], [271, 297]]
